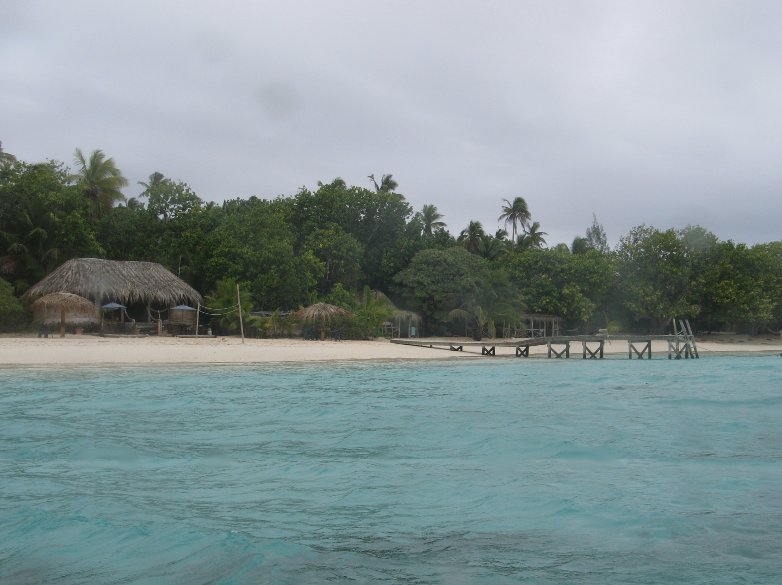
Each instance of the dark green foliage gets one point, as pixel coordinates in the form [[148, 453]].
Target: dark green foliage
[[438, 281], [340, 254], [253, 243], [99, 181], [742, 287], [556, 282], [167, 199], [430, 220], [12, 314], [596, 236], [222, 306], [329, 243], [341, 297], [658, 275], [376, 220], [43, 222], [472, 236]]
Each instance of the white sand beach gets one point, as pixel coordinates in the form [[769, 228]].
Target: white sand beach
[[78, 350]]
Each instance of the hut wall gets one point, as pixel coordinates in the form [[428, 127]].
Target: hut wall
[[51, 316], [181, 317]]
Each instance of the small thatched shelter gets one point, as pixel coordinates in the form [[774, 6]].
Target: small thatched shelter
[[64, 307], [127, 282], [321, 313]]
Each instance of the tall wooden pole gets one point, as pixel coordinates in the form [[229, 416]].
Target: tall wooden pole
[[239, 302], [198, 314]]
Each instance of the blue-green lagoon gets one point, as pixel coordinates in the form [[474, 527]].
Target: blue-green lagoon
[[492, 471]]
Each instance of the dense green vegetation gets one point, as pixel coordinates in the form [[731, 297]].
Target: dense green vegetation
[[338, 242]]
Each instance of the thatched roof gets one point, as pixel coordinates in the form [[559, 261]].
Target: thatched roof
[[64, 300], [64, 307], [320, 312], [403, 315], [125, 281]]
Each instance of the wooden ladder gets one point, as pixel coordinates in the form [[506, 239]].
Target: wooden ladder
[[684, 331]]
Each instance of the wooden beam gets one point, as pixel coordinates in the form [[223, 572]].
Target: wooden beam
[[597, 353], [559, 354], [645, 348]]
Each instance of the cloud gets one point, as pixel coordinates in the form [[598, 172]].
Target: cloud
[[656, 112]]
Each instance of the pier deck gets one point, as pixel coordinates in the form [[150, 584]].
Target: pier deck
[[592, 346]]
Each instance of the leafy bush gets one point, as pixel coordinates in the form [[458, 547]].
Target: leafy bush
[[12, 314]]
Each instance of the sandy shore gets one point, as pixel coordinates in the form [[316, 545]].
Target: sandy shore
[[75, 350]]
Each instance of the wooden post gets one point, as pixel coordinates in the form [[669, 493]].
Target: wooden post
[[239, 302], [62, 321], [692, 339], [198, 314]]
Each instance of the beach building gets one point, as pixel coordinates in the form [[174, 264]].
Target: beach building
[[145, 290]]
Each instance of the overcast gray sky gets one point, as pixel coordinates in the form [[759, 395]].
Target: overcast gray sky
[[664, 112]]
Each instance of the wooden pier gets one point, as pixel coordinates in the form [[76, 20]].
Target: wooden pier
[[681, 345]]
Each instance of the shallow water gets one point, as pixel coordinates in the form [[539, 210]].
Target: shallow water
[[502, 471]]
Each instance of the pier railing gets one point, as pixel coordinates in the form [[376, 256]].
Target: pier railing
[[680, 345]]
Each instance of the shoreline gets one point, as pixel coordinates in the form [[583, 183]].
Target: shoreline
[[87, 350]]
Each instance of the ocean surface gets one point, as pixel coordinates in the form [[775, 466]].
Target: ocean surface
[[494, 471]]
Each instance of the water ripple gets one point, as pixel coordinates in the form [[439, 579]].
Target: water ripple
[[491, 472]]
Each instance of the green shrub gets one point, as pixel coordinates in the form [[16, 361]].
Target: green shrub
[[12, 313]]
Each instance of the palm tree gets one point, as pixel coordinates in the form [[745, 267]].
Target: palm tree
[[474, 317], [387, 184], [535, 235], [338, 182], [155, 180], [430, 217], [491, 247], [32, 248], [471, 236], [134, 203], [100, 180], [532, 238], [516, 214]]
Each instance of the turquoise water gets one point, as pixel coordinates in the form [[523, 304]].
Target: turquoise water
[[498, 471]]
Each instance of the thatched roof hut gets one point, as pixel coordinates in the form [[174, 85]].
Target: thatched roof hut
[[62, 308], [112, 280], [321, 313]]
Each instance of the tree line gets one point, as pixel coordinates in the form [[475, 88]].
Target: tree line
[[338, 241]]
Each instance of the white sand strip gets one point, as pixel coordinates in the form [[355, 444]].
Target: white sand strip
[[76, 350]]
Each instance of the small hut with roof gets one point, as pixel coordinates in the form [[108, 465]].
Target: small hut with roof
[[144, 286]]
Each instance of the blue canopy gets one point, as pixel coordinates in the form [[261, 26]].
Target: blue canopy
[[183, 308], [112, 306]]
